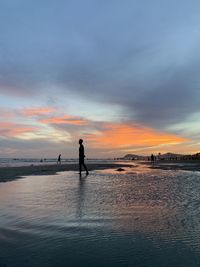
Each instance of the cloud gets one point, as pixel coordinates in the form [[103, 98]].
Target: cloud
[[14, 147], [9, 129], [141, 57], [66, 120], [37, 111], [101, 137], [6, 113], [124, 136]]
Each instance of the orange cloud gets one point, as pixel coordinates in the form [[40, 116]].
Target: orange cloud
[[125, 135], [31, 112], [9, 129], [67, 119], [6, 113]]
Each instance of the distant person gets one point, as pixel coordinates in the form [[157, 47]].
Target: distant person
[[81, 157], [152, 158], [59, 159]]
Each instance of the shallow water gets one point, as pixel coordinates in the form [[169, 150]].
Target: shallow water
[[18, 162], [140, 217]]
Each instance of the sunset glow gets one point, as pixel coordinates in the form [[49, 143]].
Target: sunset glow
[[73, 120], [48, 124], [8, 129], [31, 112], [125, 136]]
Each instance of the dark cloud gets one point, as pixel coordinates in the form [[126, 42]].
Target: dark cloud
[[174, 100], [142, 55]]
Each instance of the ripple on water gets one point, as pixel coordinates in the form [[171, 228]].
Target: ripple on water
[[144, 217]]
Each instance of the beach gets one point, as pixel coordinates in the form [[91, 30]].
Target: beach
[[185, 165], [13, 172], [8, 173], [137, 217]]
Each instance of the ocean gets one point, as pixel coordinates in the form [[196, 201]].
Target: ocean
[[14, 162]]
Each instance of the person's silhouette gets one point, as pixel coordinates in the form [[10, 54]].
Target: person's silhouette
[[59, 159], [81, 157], [152, 158]]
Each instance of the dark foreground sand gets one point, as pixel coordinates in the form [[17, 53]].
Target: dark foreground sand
[[12, 173]]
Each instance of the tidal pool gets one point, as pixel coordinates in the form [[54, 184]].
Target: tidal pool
[[140, 217]]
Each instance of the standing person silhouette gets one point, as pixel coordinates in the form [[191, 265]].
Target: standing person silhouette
[[81, 157], [59, 159], [152, 158]]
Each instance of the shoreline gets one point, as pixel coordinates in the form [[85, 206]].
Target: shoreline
[[12, 173], [16, 172], [184, 165]]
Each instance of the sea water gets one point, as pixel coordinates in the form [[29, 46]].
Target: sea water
[[140, 217], [18, 162]]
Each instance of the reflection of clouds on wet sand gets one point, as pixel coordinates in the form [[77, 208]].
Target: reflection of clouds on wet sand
[[156, 203]]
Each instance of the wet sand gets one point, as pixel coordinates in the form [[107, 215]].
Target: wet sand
[[139, 217], [184, 165], [12, 173]]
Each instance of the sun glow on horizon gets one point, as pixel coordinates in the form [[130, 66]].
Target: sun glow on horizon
[[124, 135], [56, 127]]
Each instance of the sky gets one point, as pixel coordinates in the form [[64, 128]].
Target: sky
[[121, 75]]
